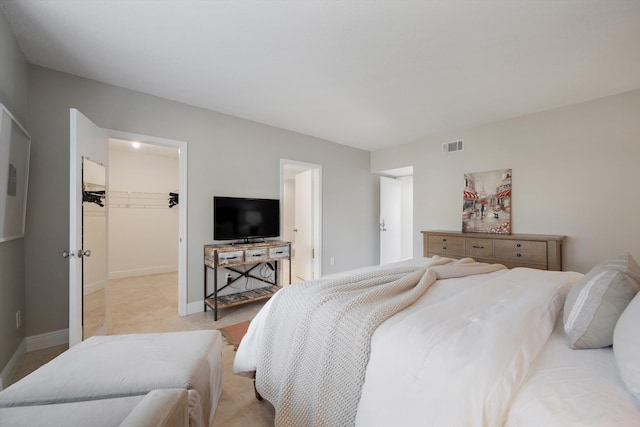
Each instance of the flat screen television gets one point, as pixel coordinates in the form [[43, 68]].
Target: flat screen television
[[236, 218]]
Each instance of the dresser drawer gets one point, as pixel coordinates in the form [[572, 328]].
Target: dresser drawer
[[279, 252], [256, 255], [231, 257], [446, 245], [481, 248], [527, 252], [539, 258], [521, 245]]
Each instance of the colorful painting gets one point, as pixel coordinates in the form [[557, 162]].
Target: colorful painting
[[486, 202]]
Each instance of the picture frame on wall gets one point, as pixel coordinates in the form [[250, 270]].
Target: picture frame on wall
[[15, 146], [486, 202]]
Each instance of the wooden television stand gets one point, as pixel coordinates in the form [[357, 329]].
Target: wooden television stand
[[234, 255]]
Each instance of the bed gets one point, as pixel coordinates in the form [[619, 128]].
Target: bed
[[486, 349]]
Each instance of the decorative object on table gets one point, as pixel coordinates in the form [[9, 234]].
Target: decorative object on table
[[486, 202], [15, 143]]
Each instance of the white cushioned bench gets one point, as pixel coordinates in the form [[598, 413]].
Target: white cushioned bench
[[158, 408], [120, 366]]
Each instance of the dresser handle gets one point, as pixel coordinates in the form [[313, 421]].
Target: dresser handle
[[444, 248], [518, 245], [478, 247], [444, 240], [518, 255], [257, 255]]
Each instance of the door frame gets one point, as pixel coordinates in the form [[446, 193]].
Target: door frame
[[317, 207], [182, 147]]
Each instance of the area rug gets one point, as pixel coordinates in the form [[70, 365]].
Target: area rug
[[233, 333]]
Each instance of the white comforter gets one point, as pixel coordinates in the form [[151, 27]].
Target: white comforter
[[455, 357], [568, 388]]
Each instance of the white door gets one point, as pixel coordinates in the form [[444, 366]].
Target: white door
[[303, 245], [390, 220], [86, 141]]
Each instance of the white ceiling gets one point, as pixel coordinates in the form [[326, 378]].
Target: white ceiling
[[152, 149], [369, 74]]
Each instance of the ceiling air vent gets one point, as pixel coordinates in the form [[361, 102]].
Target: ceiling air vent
[[448, 147]]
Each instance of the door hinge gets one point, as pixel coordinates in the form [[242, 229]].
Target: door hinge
[[313, 253]]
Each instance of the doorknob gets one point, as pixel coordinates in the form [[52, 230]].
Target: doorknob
[[68, 254], [295, 230], [82, 253]]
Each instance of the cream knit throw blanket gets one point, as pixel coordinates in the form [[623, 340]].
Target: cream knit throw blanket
[[317, 335]]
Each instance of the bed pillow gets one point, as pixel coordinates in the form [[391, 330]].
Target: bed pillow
[[597, 300], [626, 347]]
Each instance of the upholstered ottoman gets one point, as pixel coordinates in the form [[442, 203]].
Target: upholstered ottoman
[[159, 408], [105, 367]]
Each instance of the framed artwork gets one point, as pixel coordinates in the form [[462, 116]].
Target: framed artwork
[[15, 144], [486, 202]]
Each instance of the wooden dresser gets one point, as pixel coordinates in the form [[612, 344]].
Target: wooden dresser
[[511, 250]]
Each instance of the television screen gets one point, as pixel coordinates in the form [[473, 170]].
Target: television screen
[[242, 218]]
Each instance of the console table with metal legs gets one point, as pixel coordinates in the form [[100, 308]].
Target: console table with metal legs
[[254, 257]]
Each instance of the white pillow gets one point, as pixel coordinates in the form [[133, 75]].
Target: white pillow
[[626, 346], [596, 301]]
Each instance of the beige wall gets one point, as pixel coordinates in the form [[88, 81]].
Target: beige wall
[[142, 240], [575, 173], [227, 156], [13, 94]]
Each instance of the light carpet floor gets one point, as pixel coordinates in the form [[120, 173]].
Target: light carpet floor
[[150, 304]]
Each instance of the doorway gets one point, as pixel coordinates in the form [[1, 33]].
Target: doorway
[[90, 141], [396, 215], [182, 149], [143, 232], [301, 207]]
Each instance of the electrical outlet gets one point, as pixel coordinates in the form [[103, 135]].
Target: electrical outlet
[[331, 261], [228, 278], [18, 319]]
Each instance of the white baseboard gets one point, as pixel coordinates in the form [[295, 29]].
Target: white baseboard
[[9, 371], [143, 271], [195, 307], [92, 287], [50, 339]]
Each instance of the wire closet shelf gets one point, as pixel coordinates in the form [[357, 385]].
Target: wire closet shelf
[[142, 200]]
